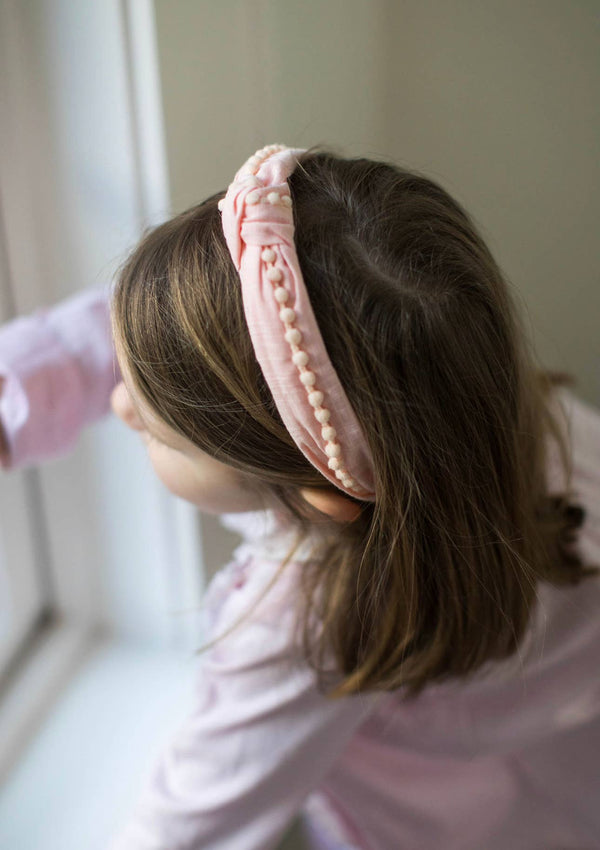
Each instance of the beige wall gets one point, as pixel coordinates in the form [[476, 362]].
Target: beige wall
[[496, 100], [500, 101]]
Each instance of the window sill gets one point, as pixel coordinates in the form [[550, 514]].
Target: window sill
[[52, 655], [80, 775]]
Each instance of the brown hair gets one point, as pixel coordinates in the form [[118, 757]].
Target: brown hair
[[439, 575]]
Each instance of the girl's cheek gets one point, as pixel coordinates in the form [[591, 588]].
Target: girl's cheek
[[175, 478]]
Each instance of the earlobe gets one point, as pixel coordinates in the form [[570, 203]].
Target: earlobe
[[335, 505]]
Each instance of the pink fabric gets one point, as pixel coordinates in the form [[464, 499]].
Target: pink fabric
[[59, 368], [259, 737], [510, 759], [249, 228]]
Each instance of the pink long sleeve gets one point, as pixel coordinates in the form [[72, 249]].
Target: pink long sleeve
[[259, 738], [59, 370]]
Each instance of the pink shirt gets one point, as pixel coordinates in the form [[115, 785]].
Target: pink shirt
[[507, 761]]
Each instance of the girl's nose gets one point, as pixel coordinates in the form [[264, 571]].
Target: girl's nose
[[123, 408]]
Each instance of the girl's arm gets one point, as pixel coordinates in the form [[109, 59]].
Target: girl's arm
[[57, 371], [260, 736]]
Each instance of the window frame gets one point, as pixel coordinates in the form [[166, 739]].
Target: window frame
[[83, 173]]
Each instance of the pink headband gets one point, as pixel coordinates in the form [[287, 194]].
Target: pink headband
[[258, 223]]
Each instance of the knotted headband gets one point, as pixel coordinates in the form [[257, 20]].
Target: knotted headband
[[258, 224]]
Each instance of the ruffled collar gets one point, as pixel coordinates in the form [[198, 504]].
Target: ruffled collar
[[267, 534]]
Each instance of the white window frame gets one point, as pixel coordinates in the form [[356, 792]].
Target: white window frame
[[23, 592], [126, 556]]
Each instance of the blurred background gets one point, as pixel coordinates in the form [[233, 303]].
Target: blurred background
[[117, 115]]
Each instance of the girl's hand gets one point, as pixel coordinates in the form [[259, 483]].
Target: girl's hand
[[4, 453]]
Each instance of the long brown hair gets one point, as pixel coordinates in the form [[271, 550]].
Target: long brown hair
[[439, 575]]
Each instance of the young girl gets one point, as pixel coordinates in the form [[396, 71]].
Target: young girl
[[405, 648]]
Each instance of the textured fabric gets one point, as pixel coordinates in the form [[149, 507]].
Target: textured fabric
[[259, 737], [508, 760], [59, 368], [249, 228]]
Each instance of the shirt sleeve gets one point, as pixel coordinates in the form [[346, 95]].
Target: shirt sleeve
[[58, 368], [259, 739]]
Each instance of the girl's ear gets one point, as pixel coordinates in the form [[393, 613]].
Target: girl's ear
[[335, 505]]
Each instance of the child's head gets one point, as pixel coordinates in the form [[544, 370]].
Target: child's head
[[437, 573]]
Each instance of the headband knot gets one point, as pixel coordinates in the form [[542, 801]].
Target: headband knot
[[258, 215], [258, 225]]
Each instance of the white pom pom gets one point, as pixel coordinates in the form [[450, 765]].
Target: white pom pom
[[308, 378], [287, 315], [333, 449], [323, 415], [273, 198], [281, 294], [300, 358], [274, 274], [268, 255], [316, 398], [294, 337]]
